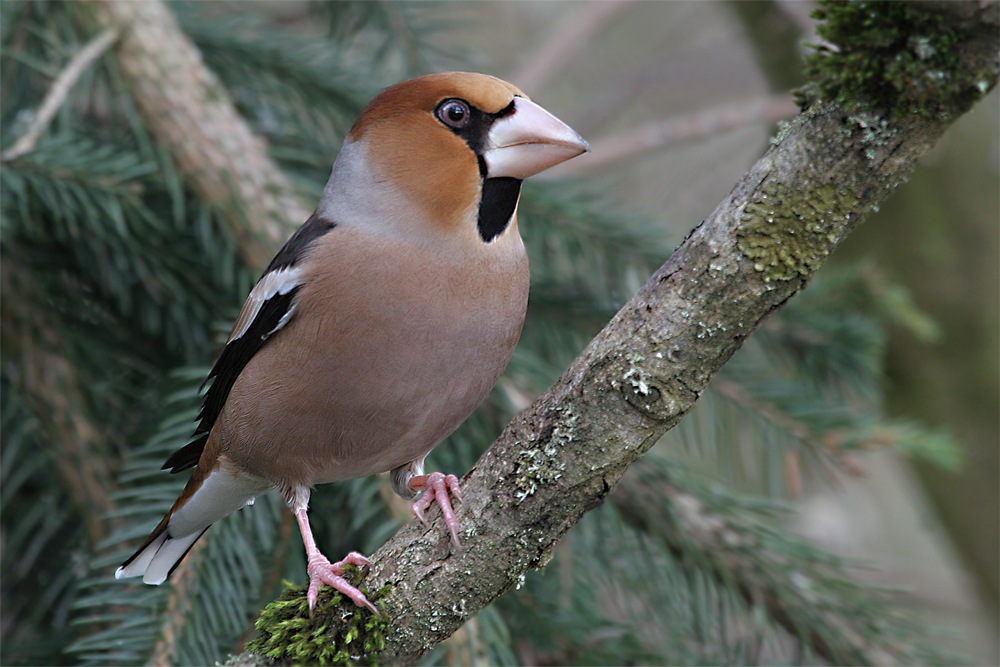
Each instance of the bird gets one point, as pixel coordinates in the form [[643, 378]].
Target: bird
[[380, 325]]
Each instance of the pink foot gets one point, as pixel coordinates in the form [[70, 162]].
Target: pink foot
[[436, 486], [322, 571]]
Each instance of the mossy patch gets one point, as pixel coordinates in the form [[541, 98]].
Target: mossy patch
[[338, 633], [789, 234], [895, 55]]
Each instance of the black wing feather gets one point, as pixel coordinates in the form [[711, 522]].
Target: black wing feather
[[299, 242], [239, 351], [234, 358]]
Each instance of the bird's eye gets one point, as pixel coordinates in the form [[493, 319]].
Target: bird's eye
[[454, 113]]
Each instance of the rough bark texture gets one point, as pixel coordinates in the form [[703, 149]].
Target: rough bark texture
[[190, 113], [644, 371]]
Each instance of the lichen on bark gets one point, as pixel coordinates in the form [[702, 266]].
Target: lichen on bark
[[790, 233]]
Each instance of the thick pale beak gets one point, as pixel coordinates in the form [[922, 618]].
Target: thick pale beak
[[529, 140]]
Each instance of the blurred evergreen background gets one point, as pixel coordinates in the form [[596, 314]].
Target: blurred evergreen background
[[862, 419]]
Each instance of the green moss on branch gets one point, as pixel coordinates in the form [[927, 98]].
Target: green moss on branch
[[338, 633], [893, 55]]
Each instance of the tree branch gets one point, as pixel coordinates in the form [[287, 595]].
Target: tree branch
[[189, 111], [642, 373], [569, 37], [58, 92], [638, 378]]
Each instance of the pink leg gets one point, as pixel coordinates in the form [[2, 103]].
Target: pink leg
[[322, 571], [436, 487]]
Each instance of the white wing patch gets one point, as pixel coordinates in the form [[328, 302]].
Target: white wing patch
[[283, 321], [275, 283]]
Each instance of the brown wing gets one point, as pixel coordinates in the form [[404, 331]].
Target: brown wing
[[269, 307]]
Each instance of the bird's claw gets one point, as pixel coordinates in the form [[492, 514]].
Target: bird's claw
[[323, 572], [436, 487]]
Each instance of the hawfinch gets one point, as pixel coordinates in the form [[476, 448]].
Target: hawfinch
[[382, 322]]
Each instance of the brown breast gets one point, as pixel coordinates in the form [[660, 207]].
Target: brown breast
[[400, 354]]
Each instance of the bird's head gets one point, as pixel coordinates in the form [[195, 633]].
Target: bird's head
[[456, 146]]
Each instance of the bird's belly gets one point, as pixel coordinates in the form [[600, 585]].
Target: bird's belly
[[394, 414]]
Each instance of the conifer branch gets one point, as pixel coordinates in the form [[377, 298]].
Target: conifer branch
[[59, 92], [746, 558], [178, 603], [188, 110], [53, 385]]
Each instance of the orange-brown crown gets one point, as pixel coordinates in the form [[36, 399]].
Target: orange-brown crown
[[410, 99]]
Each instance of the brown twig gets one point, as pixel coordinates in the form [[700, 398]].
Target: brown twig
[[58, 93], [690, 127], [189, 111], [568, 39]]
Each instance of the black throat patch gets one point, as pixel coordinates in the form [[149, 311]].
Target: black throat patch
[[496, 206], [499, 199]]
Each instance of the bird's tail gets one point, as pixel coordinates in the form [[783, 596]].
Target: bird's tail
[[159, 555], [212, 492]]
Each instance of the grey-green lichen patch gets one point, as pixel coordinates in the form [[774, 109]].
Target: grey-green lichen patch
[[635, 384], [542, 465], [641, 389], [338, 633], [788, 234], [525, 554], [874, 131], [634, 376], [810, 107], [783, 128], [708, 329]]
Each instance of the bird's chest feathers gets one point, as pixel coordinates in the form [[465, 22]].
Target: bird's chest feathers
[[455, 300], [397, 356]]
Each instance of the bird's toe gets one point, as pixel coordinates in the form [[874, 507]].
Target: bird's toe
[[439, 488], [324, 573]]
